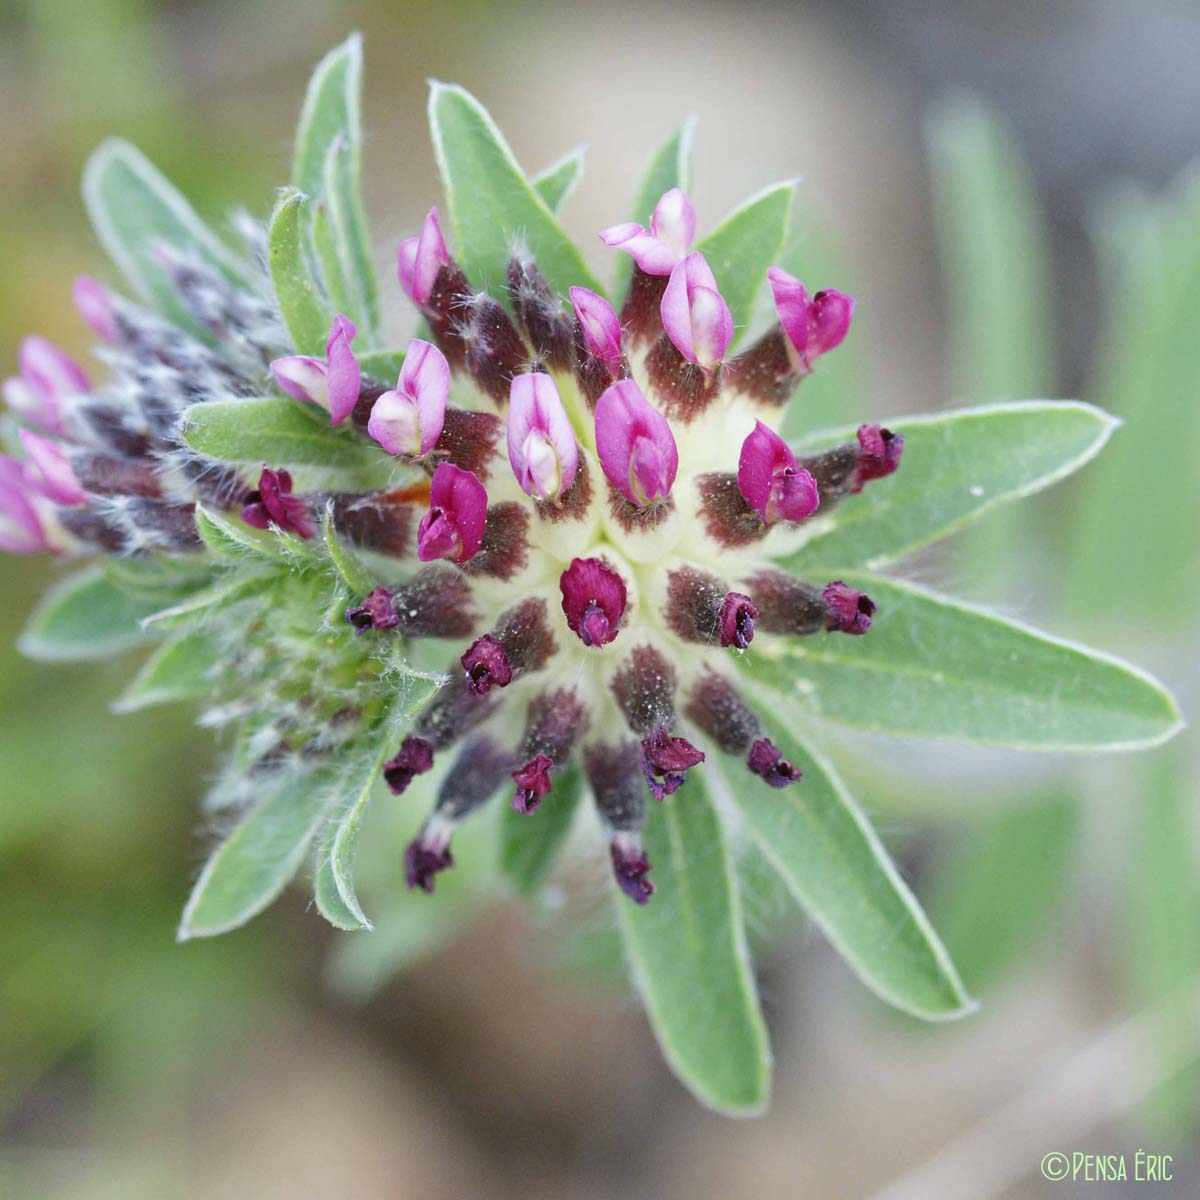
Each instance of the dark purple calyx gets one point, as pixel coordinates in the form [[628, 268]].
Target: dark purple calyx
[[548, 328], [553, 723], [415, 758], [375, 612], [487, 665], [879, 453], [847, 610], [593, 599], [272, 503], [630, 867], [737, 620], [715, 707], [766, 761], [533, 783], [666, 761], [495, 351], [424, 858], [700, 608]]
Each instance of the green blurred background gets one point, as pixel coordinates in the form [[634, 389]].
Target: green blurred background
[[1006, 190]]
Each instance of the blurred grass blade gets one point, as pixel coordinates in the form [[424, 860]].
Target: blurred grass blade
[[823, 847], [300, 301], [556, 183], [744, 245], [135, 211], [687, 950], [956, 466], [179, 669], [529, 843], [85, 616], [934, 667], [259, 858], [491, 202]]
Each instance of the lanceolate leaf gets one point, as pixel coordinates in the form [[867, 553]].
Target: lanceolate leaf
[[260, 857], [491, 202], [835, 865], [273, 430], [342, 204], [303, 308], [744, 245], [235, 541], [85, 616], [201, 605], [179, 669], [529, 843], [556, 183], [135, 213], [687, 950], [956, 466], [934, 667]]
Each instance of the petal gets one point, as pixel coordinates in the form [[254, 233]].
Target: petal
[[831, 314], [792, 308], [96, 307], [677, 313], [601, 327], [52, 474], [674, 221], [50, 371], [396, 425], [343, 372], [694, 313], [537, 421], [654, 257], [303, 378], [425, 377], [464, 499], [712, 326], [29, 406], [635, 444], [421, 258], [20, 530]]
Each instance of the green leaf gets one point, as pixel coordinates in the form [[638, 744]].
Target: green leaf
[[491, 202], [529, 843], [85, 616], [179, 669], [687, 950], [227, 590], [134, 210], [300, 300], [934, 667], [744, 245], [956, 466], [234, 541], [342, 203], [671, 167], [833, 862], [556, 183], [383, 365], [351, 572], [260, 857], [329, 259], [275, 430]]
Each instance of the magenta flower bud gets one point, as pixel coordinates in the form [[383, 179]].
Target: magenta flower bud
[[272, 504], [21, 530], [421, 258], [601, 327], [813, 327], [97, 308], [533, 783], [453, 526], [425, 857], [770, 481], [630, 866], [408, 420], [48, 470], [593, 598], [414, 758], [375, 612], [487, 664], [737, 620], [541, 442], [48, 378], [847, 610], [659, 249], [767, 761], [635, 444], [666, 761], [879, 453], [331, 384], [694, 313]]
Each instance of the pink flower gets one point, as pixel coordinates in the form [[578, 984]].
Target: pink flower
[[272, 504], [48, 470], [847, 610], [813, 327], [635, 444], [593, 599], [331, 383], [21, 530], [408, 420], [879, 453], [694, 313], [453, 526], [657, 250], [421, 258], [601, 327], [771, 482], [48, 378], [541, 443], [97, 308]]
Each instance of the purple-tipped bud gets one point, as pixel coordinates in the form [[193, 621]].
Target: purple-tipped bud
[[533, 783], [97, 308], [813, 326], [660, 248], [635, 444], [333, 383], [631, 866], [847, 610], [601, 327], [771, 482], [421, 258], [879, 453], [408, 419], [453, 526], [695, 315], [737, 620], [49, 377], [425, 857], [767, 761], [272, 503], [375, 612], [21, 530], [541, 443], [414, 758], [49, 471], [593, 599], [487, 665], [666, 761]]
